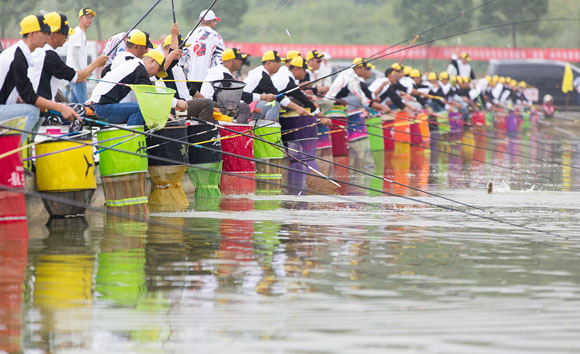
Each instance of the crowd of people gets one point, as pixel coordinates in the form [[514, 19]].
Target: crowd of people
[[31, 69]]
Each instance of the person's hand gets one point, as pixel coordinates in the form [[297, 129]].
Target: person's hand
[[323, 90], [325, 121], [174, 55], [68, 113], [174, 30], [301, 111], [101, 60], [268, 97], [181, 106]]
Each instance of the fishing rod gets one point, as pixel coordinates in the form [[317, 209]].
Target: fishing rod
[[421, 44], [24, 147], [173, 10], [198, 23], [433, 12], [461, 14], [355, 170], [489, 218], [132, 28], [442, 151]]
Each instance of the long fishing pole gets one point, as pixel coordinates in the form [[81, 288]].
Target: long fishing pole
[[132, 28], [173, 11], [461, 14], [421, 44], [198, 23], [303, 172]]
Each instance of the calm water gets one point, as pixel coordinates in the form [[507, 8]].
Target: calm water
[[356, 273]]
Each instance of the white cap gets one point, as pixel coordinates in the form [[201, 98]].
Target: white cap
[[210, 16], [326, 55]]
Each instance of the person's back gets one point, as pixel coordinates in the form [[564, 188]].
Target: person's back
[[206, 48]]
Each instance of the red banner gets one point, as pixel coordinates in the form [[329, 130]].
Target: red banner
[[344, 51]]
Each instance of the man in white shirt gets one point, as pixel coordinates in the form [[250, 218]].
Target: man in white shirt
[[76, 56], [460, 66], [206, 48]]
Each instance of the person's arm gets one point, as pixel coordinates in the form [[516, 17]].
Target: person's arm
[[83, 74], [300, 96]]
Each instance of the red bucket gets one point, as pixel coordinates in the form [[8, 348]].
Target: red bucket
[[11, 169], [243, 146], [478, 119], [389, 135]]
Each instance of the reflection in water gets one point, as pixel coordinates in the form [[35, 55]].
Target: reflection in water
[[287, 274]]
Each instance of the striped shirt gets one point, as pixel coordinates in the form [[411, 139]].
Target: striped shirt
[[47, 70]]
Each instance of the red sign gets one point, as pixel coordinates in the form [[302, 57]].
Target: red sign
[[345, 51]]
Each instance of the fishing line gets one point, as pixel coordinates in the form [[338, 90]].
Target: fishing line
[[198, 23], [132, 28], [295, 170], [421, 44]]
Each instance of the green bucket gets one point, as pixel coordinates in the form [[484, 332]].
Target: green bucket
[[375, 130], [270, 132], [488, 119], [206, 179], [443, 120], [114, 163], [155, 103]]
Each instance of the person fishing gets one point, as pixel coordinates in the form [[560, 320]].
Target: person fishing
[[232, 61], [47, 66], [117, 41], [385, 89], [296, 73], [350, 87], [460, 66], [314, 60], [138, 43], [15, 86], [206, 48], [112, 97], [259, 81], [197, 106], [284, 70]]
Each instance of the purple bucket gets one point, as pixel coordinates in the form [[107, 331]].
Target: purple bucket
[[356, 126], [301, 154], [512, 122], [455, 122], [291, 122]]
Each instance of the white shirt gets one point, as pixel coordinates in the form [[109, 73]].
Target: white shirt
[[111, 43], [37, 66], [76, 55], [121, 58], [377, 83], [205, 51], [351, 81], [215, 73], [257, 78]]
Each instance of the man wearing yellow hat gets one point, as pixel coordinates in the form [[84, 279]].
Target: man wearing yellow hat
[[285, 69], [76, 56], [259, 81], [313, 61], [296, 73], [138, 43], [350, 86], [47, 66], [14, 81], [460, 66], [112, 98]]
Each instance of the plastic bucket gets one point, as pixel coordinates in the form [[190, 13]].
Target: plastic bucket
[[478, 119], [159, 146], [443, 123], [228, 94], [376, 136], [240, 145], [269, 131], [298, 127], [338, 134], [356, 128], [206, 178], [155, 103], [115, 163]]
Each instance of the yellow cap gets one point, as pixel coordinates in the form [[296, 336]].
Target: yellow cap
[[160, 59], [488, 78], [34, 23], [271, 55], [444, 75], [415, 73], [361, 62], [314, 54], [466, 79], [397, 66], [432, 76], [407, 70], [465, 56], [495, 78], [87, 11], [291, 55], [459, 79], [501, 80], [508, 79], [138, 37], [299, 62], [167, 41], [58, 23], [233, 53], [523, 84]]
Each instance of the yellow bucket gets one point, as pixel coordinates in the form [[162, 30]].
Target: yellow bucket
[[67, 170]]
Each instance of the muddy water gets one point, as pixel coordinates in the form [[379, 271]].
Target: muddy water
[[361, 272]]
